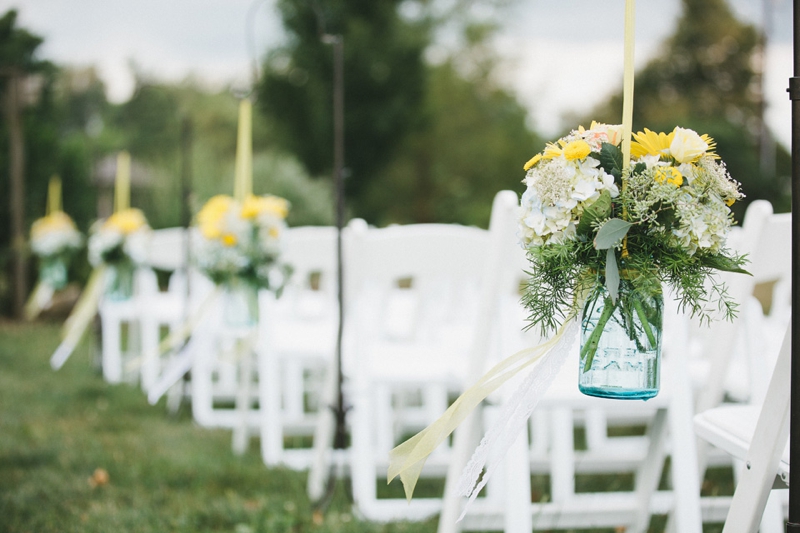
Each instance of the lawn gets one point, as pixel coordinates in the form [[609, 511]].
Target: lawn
[[80, 455]]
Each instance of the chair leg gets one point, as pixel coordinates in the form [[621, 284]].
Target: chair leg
[[323, 437], [648, 474], [241, 432]]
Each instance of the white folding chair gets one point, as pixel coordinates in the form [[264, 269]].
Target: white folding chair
[[120, 322], [296, 347], [415, 295], [754, 336], [167, 251], [757, 435]]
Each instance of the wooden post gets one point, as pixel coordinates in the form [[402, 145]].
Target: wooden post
[[16, 197]]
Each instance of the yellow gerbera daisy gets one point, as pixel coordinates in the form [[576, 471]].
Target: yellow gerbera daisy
[[650, 143], [532, 161]]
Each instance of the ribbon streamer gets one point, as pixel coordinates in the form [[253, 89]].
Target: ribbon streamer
[[80, 318], [39, 300], [407, 459], [243, 173], [627, 82], [514, 415]]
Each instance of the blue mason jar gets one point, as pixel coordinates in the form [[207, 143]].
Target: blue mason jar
[[621, 342]]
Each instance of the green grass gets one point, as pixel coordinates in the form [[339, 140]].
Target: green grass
[[165, 474]]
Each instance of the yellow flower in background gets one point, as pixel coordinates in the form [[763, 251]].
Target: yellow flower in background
[[229, 239], [532, 161], [253, 206], [126, 221], [669, 175], [212, 215], [576, 150], [650, 143], [58, 221]]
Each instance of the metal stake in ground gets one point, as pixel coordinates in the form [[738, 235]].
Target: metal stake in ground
[[793, 526]]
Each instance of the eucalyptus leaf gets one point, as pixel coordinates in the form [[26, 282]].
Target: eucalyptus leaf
[[612, 275], [611, 233], [599, 210]]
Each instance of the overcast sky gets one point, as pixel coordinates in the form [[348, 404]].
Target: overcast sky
[[559, 56]]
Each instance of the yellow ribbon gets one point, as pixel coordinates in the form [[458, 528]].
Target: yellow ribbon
[[407, 459], [243, 173], [80, 318], [54, 195], [122, 182], [627, 82], [39, 299], [178, 336]]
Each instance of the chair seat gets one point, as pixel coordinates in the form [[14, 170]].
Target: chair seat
[[731, 428]]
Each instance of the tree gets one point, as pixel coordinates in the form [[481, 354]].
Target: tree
[[705, 80], [384, 85], [17, 61]]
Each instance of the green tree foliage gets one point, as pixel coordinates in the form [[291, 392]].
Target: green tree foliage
[[51, 147], [150, 126], [384, 85], [704, 79], [473, 143]]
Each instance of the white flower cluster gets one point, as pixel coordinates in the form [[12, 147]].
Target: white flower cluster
[[122, 237], [241, 238], [565, 181], [55, 234]]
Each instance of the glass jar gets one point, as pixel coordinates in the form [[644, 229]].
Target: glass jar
[[53, 271], [119, 281], [240, 304], [620, 353]]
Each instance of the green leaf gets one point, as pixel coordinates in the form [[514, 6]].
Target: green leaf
[[611, 233], [611, 159], [599, 210], [612, 275], [726, 264]]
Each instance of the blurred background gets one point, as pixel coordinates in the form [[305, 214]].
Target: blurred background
[[444, 100]]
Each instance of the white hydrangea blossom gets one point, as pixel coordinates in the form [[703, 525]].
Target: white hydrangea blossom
[[557, 193], [56, 241]]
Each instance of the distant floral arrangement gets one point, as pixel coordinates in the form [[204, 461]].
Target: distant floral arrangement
[[587, 222], [119, 239], [243, 240], [55, 235]]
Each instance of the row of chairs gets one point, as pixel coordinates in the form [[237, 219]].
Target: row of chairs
[[428, 309]]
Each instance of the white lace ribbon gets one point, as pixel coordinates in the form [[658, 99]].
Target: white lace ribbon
[[514, 416]]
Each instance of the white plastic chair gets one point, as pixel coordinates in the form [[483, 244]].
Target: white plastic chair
[[296, 346], [167, 250], [115, 317], [754, 336], [759, 436], [415, 294]]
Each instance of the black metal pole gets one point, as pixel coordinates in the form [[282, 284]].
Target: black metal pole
[[340, 408], [337, 41], [793, 526]]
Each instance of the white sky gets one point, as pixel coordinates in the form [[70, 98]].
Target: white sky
[[559, 56]]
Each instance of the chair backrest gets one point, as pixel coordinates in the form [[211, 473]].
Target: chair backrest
[[311, 252], [766, 239], [167, 249], [420, 253]]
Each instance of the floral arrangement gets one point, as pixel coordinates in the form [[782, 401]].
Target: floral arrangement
[[242, 240], [589, 224], [55, 236], [55, 239], [119, 240]]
